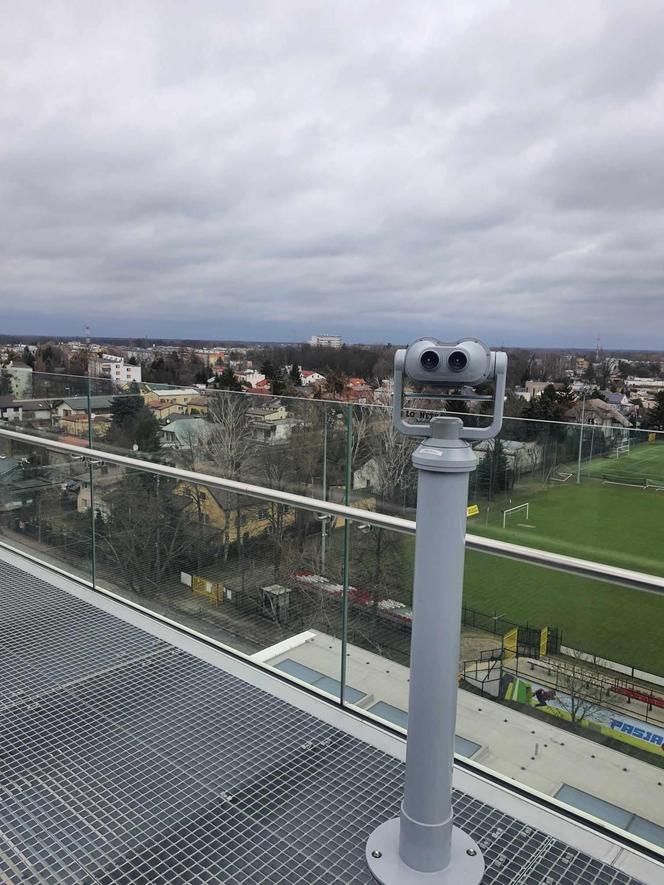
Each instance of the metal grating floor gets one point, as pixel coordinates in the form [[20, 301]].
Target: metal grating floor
[[125, 760]]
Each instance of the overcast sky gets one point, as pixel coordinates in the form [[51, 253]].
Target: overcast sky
[[381, 170]]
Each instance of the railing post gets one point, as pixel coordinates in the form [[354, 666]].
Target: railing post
[[90, 433], [346, 566], [93, 539]]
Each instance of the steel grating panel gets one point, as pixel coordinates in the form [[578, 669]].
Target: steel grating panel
[[125, 760]]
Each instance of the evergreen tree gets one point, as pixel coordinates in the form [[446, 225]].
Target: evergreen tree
[[5, 383], [268, 369], [132, 423], [296, 375], [655, 416], [228, 380], [493, 474], [278, 383]]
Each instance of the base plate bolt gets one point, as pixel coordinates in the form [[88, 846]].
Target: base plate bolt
[[471, 852], [376, 854]]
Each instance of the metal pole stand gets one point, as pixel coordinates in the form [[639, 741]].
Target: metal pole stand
[[422, 846]]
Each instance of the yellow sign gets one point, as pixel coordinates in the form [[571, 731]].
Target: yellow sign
[[652, 437], [510, 640], [473, 510], [199, 585], [544, 640], [212, 589]]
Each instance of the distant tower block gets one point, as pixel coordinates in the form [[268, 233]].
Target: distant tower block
[[325, 341]]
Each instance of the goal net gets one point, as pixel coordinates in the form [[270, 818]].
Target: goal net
[[518, 509], [560, 476]]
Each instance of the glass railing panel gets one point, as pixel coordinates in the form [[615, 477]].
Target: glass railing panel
[[44, 506], [556, 672], [584, 490], [379, 618], [56, 385], [60, 406], [590, 491], [241, 571]]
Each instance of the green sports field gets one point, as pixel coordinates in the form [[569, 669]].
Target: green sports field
[[609, 517], [644, 461], [616, 623], [601, 519]]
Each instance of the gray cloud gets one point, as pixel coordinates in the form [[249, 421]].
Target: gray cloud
[[375, 168]]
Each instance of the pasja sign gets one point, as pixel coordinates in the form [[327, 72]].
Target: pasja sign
[[637, 732]]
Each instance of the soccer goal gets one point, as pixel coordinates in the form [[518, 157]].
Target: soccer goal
[[518, 508], [622, 445], [622, 449]]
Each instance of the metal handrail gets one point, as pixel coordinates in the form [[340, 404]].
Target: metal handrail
[[585, 568]]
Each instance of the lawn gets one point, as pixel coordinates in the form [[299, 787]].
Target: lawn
[[618, 524], [613, 622], [644, 461]]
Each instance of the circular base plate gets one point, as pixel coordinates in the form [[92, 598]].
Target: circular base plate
[[389, 869]]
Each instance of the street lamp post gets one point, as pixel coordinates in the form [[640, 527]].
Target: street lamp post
[[583, 416]]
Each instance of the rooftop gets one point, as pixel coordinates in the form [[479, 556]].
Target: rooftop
[[139, 754]]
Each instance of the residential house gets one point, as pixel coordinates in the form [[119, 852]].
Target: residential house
[[521, 457], [597, 412], [199, 405], [254, 519], [536, 388], [310, 378], [18, 488], [269, 422], [619, 401], [357, 390], [274, 432], [250, 377], [99, 405], [35, 412], [263, 387], [104, 482], [165, 393], [164, 411], [185, 432], [270, 410]]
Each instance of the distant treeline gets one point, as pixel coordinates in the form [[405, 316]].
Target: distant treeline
[[371, 362]]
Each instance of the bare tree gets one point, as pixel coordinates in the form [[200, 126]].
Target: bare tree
[[382, 564], [147, 533], [392, 453], [230, 446], [580, 684], [276, 464]]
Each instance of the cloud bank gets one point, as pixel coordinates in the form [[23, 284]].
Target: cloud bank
[[377, 169]]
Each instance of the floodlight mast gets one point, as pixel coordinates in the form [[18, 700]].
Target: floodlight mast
[[421, 846]]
